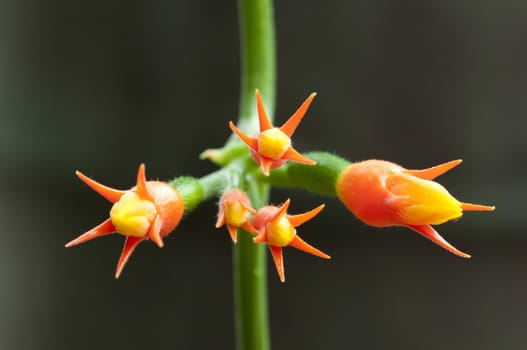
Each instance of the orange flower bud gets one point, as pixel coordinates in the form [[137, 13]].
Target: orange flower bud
[[382, 193], [277, 229], [271, 147], [235, 210], [150, 210]]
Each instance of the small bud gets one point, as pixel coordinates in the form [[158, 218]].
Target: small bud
[[272, 146], [277, 229], [235, 210]]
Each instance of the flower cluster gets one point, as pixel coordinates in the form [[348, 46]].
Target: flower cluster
[[271, 224], [377, 192]]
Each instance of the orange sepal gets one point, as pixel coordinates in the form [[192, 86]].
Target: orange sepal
[[249, 141], [266, 165], [302, 245], [141, 188], [221, 218], [129, 246], [101, 230], [299, 219], [154, 233], [109, 193], [294, 155], [261, 237], [291, 124], [249, 228], [263, 119], [283, 208], [429, 232], [278, 259], [435, 171], [233, 232], [476, 207]]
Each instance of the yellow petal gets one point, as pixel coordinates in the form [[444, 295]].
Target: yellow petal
[[235, 213], [280, 232], [132, 215], [273, 143], [421, 202]]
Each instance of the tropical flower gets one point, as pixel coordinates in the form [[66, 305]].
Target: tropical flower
[[382, 193], [271, 147], [277, 229], [235, 210], [150, 210]]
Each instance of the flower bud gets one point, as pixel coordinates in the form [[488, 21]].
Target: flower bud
[[271, 147], [235, 210], [150, 210], [132, 216], [277, 229], [382, 193]]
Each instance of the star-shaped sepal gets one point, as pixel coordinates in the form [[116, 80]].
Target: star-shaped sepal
[[272, 147], [277, 229]]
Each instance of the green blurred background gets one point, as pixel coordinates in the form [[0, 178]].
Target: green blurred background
[[102, 86]]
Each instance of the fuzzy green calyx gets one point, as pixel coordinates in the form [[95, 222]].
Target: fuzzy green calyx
[[190, 190]]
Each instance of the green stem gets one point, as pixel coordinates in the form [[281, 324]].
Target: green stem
[[258, 70], [195, 191], [320, 178], [257, 43], [215, 183]]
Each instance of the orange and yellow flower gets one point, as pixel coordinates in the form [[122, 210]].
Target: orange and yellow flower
[[277, 229], [150, 210], [271, 147], [234, 211], [382, 193]]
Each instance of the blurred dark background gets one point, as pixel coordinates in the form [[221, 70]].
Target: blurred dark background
[[102, 86]]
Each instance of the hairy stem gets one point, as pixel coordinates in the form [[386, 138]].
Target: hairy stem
[[320, 178], [257, 44]]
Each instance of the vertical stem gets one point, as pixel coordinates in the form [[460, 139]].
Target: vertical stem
[[258, 71], [257, 43]]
